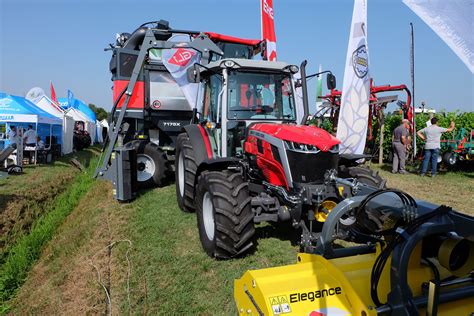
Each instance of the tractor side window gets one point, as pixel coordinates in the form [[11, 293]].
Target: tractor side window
[[211, 98], [127, 62]]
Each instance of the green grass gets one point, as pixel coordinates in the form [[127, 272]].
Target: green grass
[[454, 189], [180, 278], [28, 247]]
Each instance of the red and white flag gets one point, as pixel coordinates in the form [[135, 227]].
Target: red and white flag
[[53, 93], [268, 29], [177, 61]]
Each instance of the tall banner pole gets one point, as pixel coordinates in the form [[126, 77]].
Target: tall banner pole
[[354, 110], [412, 73]]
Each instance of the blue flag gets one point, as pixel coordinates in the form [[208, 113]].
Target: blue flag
[[70, 98]]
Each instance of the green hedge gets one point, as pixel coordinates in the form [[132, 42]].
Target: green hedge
[[392, 120], [465, 119]]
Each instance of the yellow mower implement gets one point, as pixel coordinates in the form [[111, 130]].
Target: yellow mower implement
[[423, 265], [316, 286]]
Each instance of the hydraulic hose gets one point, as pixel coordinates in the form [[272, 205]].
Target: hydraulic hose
[[112, 113]]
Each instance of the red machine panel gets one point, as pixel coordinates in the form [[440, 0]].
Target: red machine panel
[[137, 101]]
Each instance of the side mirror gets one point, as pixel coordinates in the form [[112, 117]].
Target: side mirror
[[194, 74], [331, 81]]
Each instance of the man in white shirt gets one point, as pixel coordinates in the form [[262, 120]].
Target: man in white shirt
[[432, 137], [30, 137], [12, 136], [40, 145]]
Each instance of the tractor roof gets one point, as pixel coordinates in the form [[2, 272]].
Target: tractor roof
[[231, 39], [237, 63]]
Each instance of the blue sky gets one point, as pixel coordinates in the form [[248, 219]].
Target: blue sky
[[63, 41]]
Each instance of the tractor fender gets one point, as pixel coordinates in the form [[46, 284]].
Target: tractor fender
[[350, 160], [215, 164], [200, 141]]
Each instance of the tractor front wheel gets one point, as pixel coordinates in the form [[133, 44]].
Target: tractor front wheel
[[185, 166], [224, 214]]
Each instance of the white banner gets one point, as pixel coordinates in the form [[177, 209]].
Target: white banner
[[177, 61], [453, 21], [354, 111]]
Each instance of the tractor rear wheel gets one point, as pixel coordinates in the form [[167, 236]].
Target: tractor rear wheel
[[185, 166], [364, 175], [224, 214], [152, 165]]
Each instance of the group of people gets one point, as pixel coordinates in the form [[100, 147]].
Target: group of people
[[30, 138], [431, 135]]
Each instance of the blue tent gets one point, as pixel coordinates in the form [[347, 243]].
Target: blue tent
[[78, 105], [18, 111]]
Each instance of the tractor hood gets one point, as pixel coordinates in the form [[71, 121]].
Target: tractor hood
[[308, 135]]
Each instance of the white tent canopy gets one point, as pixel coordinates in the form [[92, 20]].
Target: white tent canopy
[[89, 125], [99, 137], [48, 105], [105, 123]]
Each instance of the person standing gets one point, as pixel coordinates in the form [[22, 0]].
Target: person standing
[[432, 137], [399, 145], [30, 136], [12, 137]]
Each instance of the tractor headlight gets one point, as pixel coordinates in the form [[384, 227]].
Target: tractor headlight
[[210, 125], [299, 146], [292, 68], [334, 149], [229, 64]]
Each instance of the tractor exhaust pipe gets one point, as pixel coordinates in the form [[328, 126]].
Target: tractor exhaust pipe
[[304, 88]]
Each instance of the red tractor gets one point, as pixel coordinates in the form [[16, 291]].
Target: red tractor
[[250, 159]]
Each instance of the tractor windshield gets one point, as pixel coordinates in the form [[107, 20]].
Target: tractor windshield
[[260, 96]]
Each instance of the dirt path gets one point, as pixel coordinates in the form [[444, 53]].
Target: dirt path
[[63, 281]]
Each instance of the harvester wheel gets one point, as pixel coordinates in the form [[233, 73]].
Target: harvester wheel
[[152, 165], [185, 166], [225, 217], [364, 175]]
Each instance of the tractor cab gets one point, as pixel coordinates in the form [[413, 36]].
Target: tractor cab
[[237, 93]]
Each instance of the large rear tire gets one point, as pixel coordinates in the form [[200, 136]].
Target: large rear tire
[[185, 166], [364, 175], [152, 165], [224, 214]]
